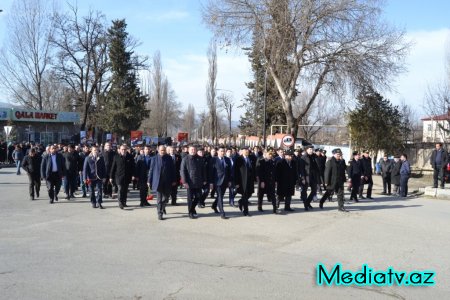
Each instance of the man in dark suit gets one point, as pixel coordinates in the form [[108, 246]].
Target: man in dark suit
[[108, 155], [367, 171], [438, 161], [220, 179], [94, 173], [244, 175], [31, 164], [141, 174], [177, 161], [71, 161], [161, 178], [335, 179], [53, 169], [122, 171]]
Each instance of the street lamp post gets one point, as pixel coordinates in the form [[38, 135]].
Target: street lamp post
[[264, 109]]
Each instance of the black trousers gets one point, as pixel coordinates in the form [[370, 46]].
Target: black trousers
[[174, 193], [270, 192], [107, 187], [308, 199], [438, 175], [356, 182], [369, 183], [193, 197], [287, 201], [53, 185], [143, 191], [162, 198], [404, 185], [218, 202], [34, 183], [122, 193], [244, 202], [339, 191], [387, 184]]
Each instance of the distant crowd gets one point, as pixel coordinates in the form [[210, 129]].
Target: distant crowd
[[104, 171]]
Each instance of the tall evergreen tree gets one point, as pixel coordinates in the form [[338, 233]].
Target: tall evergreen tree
[[125, 106], [375, 124], [252, 122]]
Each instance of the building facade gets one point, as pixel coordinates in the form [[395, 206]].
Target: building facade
[[38, 126], [436, 129]]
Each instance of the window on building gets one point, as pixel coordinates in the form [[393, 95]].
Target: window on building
[[429, 127]]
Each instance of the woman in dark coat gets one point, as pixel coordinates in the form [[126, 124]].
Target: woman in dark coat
[[286, 176]]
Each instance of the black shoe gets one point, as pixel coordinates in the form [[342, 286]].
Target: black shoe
[[67, 197], [100, 206], [442, 187], [84, 196], [56, 198], [343, 209], [51, 201], [260, 209], [37, 194], [306, 208], [356, 200], [434, 186], [160, 217], [289, 209], [246, 214], [146, 203], [361, 197], [31, 198], [310, 207], [383, 193], [275, 211], [192, 216], [240, 205], [120, 205], [164, 211], [141, 204], [321, 205], [124, 205], [215, 210], [94, 205], [224, 217], [174, 204], [369, 198]]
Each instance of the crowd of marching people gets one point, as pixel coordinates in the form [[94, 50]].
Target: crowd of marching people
[[103, 172]]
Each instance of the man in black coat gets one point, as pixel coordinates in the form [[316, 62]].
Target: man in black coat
[[81, 157], [367, 173], [176, 158], [194, 177], [311, 176], [72, 161], [108, 156], [386, 169], [141, 174], [355, 175], [395, 174], [438, 161], [334, 179], [53, 169], [286, 178], [122, 171], [31, 164], [94, 173], [220, 178], [244, 176]]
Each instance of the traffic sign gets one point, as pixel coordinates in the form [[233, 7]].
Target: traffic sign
[[288, 140]]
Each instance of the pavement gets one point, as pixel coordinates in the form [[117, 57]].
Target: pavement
[[69, 250]]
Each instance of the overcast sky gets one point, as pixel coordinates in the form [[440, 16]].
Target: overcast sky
[[176, 30]]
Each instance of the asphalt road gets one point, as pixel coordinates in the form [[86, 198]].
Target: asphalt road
[[69, 250]]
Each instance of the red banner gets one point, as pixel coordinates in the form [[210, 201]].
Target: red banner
[[182, 137]]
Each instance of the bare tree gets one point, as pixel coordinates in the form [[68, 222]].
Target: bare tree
[[227, 103], [189, 120], [164, 109], [211, 89], [82, 60], [26, 56], [330, 46]]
